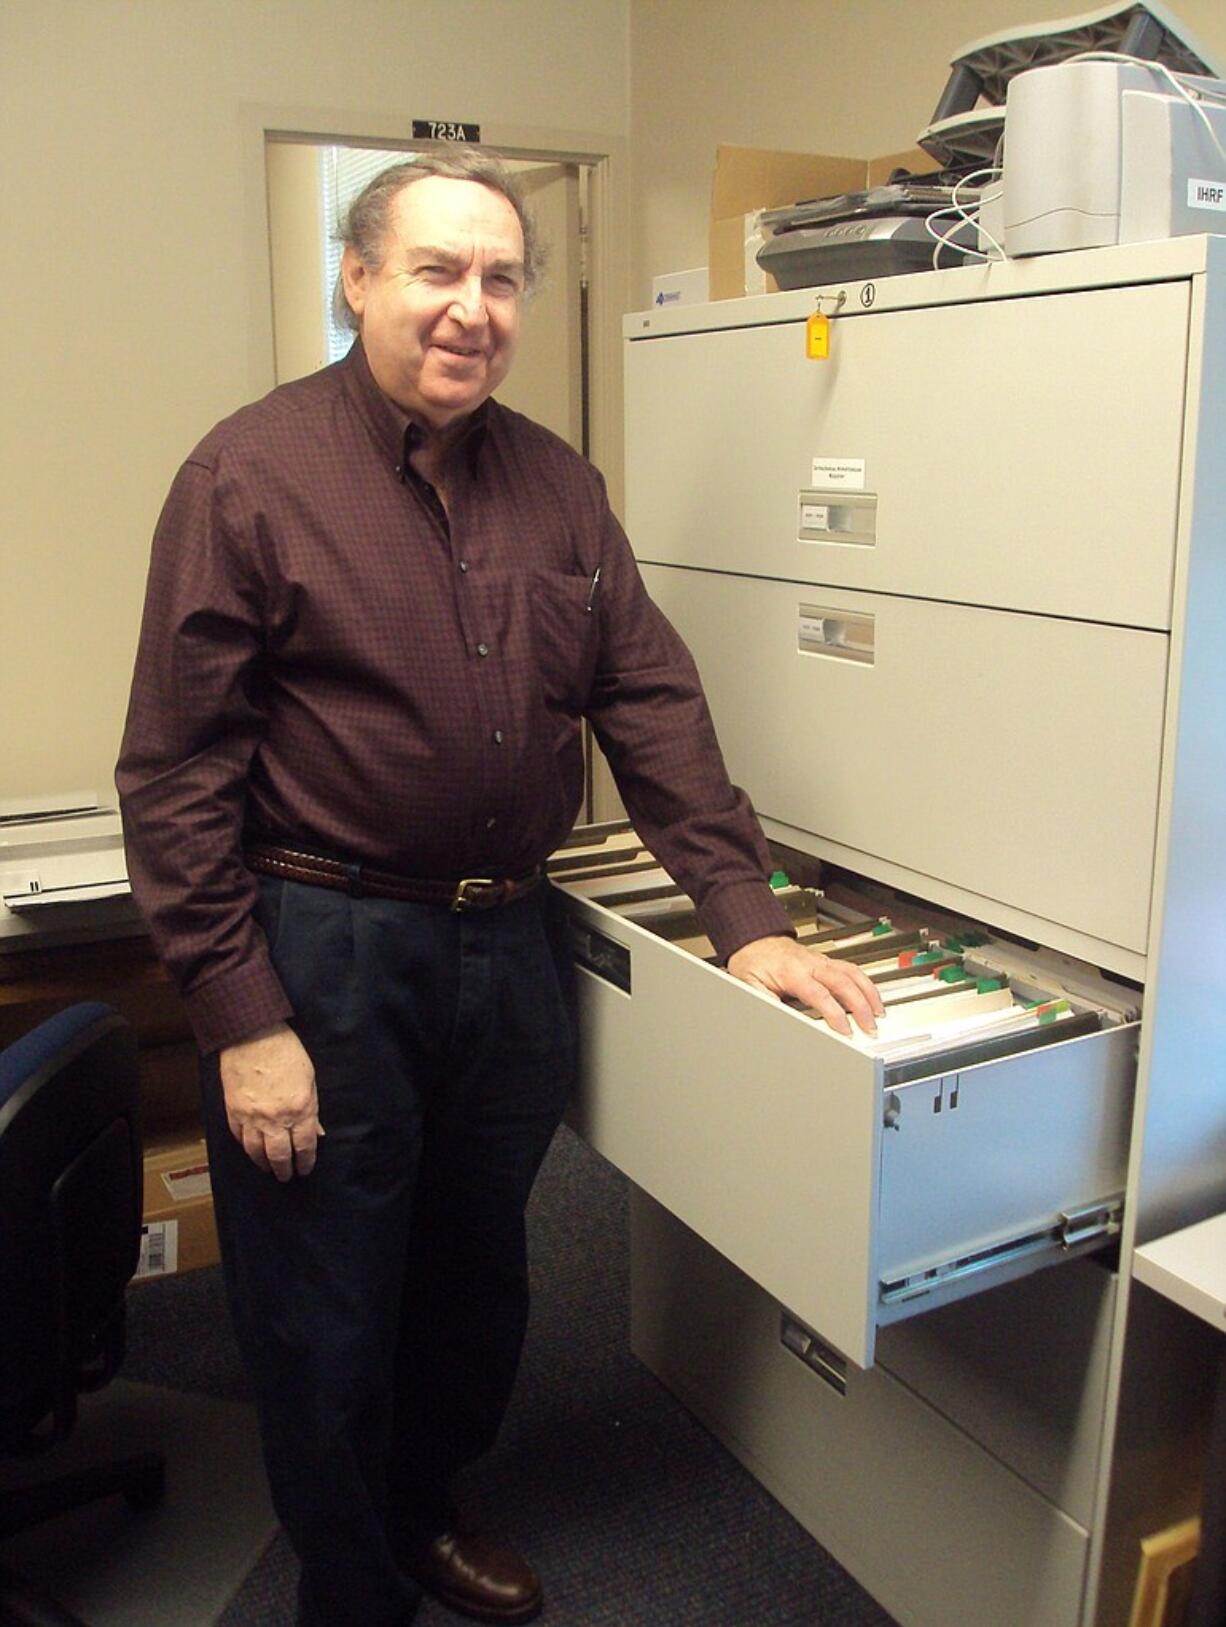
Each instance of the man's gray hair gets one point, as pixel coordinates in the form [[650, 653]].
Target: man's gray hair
[[365, 225]]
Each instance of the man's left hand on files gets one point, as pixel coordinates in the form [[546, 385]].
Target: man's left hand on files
[[781, 967]]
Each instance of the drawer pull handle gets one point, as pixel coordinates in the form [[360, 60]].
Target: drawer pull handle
[[847, 635], [815, 1354], [838, 516]]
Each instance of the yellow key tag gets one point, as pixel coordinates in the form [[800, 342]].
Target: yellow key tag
[[817, 337]]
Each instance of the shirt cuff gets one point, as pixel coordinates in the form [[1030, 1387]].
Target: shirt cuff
[[236, 1005], [737, 915]]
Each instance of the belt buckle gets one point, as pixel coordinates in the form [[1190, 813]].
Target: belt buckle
[[461, 901]]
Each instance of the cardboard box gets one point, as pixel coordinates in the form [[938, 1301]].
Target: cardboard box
[[749, 180], [681, 288], [179, 1232]]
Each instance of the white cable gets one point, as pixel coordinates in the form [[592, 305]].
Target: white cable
[[962, 217], [993, 173], [946, 238], [996, 173]]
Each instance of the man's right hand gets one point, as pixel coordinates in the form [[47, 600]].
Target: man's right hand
[[271, 1105]]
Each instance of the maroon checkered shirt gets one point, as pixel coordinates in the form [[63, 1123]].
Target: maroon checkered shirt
[[325, 658]]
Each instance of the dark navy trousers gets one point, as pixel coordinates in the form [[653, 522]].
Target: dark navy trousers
[[380, 1303]]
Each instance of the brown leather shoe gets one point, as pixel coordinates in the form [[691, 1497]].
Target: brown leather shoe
[[479, 1578]]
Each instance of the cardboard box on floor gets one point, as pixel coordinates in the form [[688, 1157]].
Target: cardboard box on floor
[[751, 179], [179, 1231]]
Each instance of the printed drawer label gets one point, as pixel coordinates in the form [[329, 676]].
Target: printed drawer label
[[847, 473]]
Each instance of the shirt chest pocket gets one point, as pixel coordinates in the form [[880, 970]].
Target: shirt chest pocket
[[565, 636]]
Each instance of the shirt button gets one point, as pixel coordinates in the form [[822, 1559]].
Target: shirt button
[[483, 649], [464, 565], [490, 823], [497, 737]]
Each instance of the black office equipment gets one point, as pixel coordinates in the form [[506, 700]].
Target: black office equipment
[[70, 1222]]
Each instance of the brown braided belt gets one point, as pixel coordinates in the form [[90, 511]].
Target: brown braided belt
[[472, 893]]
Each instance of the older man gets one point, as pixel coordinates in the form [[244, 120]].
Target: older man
[[379, 607]]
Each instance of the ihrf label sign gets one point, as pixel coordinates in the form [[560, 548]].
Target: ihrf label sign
[[1206, 194]]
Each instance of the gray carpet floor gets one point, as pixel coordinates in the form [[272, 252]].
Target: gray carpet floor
[[176, 1563], [635, 1516]]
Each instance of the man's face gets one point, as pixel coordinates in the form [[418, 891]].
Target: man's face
[[440, 317]]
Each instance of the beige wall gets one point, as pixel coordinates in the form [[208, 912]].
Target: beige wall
[[133, 230], [133, 235], [802, 75]]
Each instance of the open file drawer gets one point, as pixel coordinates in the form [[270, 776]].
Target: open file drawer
[[851, 1196]]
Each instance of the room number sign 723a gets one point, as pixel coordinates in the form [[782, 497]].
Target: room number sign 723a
[[445, 130]]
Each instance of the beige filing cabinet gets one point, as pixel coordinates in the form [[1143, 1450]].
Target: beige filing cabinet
[[958, 596]]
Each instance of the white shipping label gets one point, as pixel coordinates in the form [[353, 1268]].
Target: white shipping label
[[159, 1249], [847, 473], [815, 516], [1206, 194], [190, 1182]]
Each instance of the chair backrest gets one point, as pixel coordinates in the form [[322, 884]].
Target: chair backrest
[[70, 1215]]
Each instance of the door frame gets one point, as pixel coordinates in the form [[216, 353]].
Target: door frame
[[602, 155]]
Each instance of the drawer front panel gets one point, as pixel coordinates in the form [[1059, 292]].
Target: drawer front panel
[[1016, 757], [1022, 1370], [997, 1152], [1070, 512], [755, 1127], [931, 1523]]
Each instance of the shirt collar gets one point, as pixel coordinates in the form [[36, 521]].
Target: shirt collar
[[395, 432]]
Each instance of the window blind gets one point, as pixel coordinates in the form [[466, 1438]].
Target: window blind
[[343, 172]]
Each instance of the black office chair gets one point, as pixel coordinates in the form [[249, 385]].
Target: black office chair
[[70, 1225]]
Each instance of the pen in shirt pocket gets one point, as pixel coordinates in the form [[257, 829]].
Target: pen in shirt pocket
[[591, 592]]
